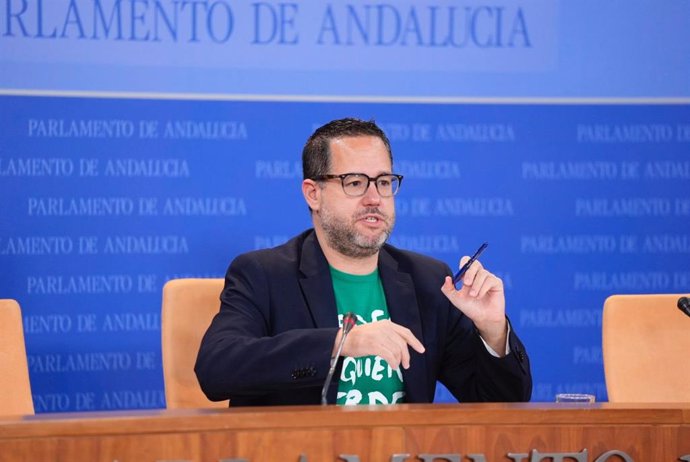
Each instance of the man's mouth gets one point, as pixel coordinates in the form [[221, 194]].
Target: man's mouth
[[373, 222], [372, 217]]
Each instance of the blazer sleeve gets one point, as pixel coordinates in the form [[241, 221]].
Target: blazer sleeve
[[252, 348], [472, 374], [467, 369]]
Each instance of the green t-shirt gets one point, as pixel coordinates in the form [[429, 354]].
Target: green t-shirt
[[369, 379]]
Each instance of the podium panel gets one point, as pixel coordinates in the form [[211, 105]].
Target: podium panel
[[462, 432]]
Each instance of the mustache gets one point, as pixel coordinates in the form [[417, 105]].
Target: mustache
[[371, 211]]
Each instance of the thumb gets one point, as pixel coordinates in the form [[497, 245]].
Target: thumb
[[448, 287]]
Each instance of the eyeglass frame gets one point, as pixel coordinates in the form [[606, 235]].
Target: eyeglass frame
[[375, 179]]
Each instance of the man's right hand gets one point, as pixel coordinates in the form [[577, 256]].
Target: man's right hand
[[383, 338]]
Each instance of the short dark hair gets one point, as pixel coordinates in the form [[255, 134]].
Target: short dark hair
[[316, 155]]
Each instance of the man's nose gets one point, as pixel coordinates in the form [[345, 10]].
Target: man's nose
[[372, 194]]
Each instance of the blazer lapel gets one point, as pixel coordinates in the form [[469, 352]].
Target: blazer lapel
[[317, 285], [402, 306]]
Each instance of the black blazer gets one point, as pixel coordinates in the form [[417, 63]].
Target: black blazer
[[272, 340]]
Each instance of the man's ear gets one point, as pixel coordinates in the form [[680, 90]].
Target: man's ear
[[312, 193]]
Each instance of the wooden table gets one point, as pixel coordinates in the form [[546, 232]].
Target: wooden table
[[592, 433]]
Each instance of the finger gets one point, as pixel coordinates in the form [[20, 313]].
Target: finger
[[392, 343], [408, 337], [449, 289], [390, 354], [398, 344], [463, 260], [478, 283], [402, 351], [404, 355], [491, 283], [474, 268]]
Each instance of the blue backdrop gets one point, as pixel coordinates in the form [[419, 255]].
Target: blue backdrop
[[148, 140]]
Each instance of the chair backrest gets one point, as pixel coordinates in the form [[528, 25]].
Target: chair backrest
[[15, 387], [188, 308], [645, 345]]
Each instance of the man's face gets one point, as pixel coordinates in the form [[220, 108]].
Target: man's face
[[356, 226]]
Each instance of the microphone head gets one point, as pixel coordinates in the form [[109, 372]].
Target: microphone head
[[684, 305], [349, 321]]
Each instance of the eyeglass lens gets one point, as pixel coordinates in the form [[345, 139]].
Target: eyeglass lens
[[356, 184]]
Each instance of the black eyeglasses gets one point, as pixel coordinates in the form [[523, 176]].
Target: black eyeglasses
[[356, 184]]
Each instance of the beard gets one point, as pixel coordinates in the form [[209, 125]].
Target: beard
[[342, 235]]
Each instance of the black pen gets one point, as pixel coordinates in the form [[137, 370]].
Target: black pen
[[467, 265]]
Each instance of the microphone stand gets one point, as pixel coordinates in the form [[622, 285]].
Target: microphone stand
[[349, 322]]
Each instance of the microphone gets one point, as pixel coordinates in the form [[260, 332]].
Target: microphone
[[684, 305], [349, 321]]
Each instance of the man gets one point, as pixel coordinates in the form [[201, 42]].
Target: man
[[278, 325]]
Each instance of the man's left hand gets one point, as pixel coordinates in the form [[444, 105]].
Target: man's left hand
[[481, 299]]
